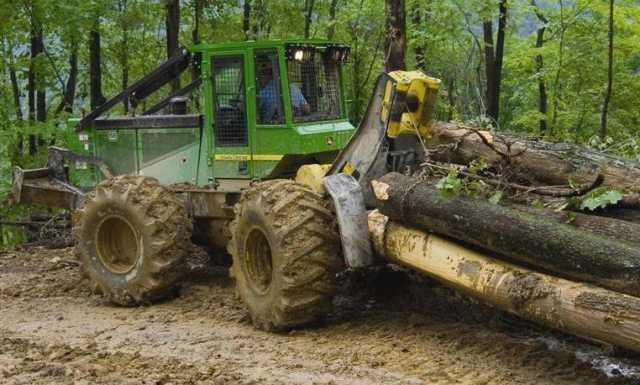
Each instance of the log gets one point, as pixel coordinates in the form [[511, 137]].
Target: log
[[580, 309], [600, 225], [542, 162], [512, 234]]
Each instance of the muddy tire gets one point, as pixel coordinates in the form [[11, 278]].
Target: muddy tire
[[132, 236], [286, 254]]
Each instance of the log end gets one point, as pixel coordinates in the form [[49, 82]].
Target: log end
[[380, 189], [377, 226]]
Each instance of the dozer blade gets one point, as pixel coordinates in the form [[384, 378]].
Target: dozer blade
[[38, 186], [348, 200]]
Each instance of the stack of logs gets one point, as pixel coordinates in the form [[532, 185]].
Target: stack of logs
[[583, 263]]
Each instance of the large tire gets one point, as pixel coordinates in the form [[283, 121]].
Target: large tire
[[286, 254], [132, 237]]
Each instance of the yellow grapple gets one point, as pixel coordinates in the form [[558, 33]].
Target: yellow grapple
[[414, 106]]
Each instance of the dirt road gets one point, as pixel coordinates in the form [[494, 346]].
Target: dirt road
[[396, 330]]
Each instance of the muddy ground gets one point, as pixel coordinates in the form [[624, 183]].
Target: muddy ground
[[396, 329]]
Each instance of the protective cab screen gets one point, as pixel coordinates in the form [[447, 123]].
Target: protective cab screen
[[313, 86]]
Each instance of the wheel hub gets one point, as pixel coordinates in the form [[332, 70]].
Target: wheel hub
[[258, 262], [117, 244]]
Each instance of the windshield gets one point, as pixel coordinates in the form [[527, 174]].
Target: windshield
[[313, 86]]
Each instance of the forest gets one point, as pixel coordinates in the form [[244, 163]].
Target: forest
[[563, 70]]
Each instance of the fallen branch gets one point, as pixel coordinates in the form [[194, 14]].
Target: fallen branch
[[553, 191], [542, 163]]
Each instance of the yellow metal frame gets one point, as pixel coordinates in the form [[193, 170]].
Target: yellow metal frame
[[419, 91]]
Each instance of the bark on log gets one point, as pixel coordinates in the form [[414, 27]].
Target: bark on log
[[543, 162], [584, 310], [518, 236], [608, 227]]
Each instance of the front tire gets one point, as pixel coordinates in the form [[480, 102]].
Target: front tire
[[286, 254], [132, 237]]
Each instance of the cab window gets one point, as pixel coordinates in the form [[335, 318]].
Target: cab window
[[313, 86]]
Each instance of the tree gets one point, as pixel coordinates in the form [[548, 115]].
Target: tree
[[308, 12], [542, 89], [417, 20], [13, 78], [195, 33], [124, 24], [36, 92], [494, 56], [331, 30], [96, 98], [395, 42], [173, 32], [69, 94], [246, 19], [609, 91]]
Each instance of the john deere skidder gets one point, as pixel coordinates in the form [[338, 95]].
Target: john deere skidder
[[214, 162]]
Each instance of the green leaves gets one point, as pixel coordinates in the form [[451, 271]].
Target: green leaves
[[600, 198], [450, 185], [496, 197]]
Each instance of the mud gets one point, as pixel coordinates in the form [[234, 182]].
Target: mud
[[389, 327], [527, 287]]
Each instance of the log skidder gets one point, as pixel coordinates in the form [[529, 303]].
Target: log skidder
[[132, 236], [286, 254]]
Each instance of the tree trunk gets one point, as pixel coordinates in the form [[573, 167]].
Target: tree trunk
[[516, 235], [494, 56], [396, 40], [418, 49], [124, 55], [173, 32], [542, 89], [37, 108], [574, 307], [540, 162], [493, 98], [197, 16], [607, 96], [16, 91], [70, 88], [556, 81], [331, 30], [246, 20], [308, 12], [95, 66]]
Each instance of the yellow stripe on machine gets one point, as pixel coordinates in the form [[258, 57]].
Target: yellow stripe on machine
[[241, 157]]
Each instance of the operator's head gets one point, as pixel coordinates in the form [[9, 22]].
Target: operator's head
[[264, 69]]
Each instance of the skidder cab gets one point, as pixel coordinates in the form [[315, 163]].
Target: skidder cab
[[256, 110]]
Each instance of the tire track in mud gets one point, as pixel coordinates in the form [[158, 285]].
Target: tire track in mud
[[388, 328]]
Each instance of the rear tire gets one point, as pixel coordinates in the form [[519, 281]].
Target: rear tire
[[132, 236], [286, 254]]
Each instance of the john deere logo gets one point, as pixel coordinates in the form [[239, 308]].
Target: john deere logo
[[329, 140]]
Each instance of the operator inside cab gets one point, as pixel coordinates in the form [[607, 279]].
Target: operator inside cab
[[268, 94]]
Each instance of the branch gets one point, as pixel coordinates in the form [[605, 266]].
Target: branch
[[553, 191]]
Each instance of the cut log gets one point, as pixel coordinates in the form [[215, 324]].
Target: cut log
[[543, 162], [609, 227], [516, 235], [580, 309]]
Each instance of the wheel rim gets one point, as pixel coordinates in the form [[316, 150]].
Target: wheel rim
[[258, 261], [117, 244]]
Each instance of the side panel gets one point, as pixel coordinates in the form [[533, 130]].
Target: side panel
[[170, 155]]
